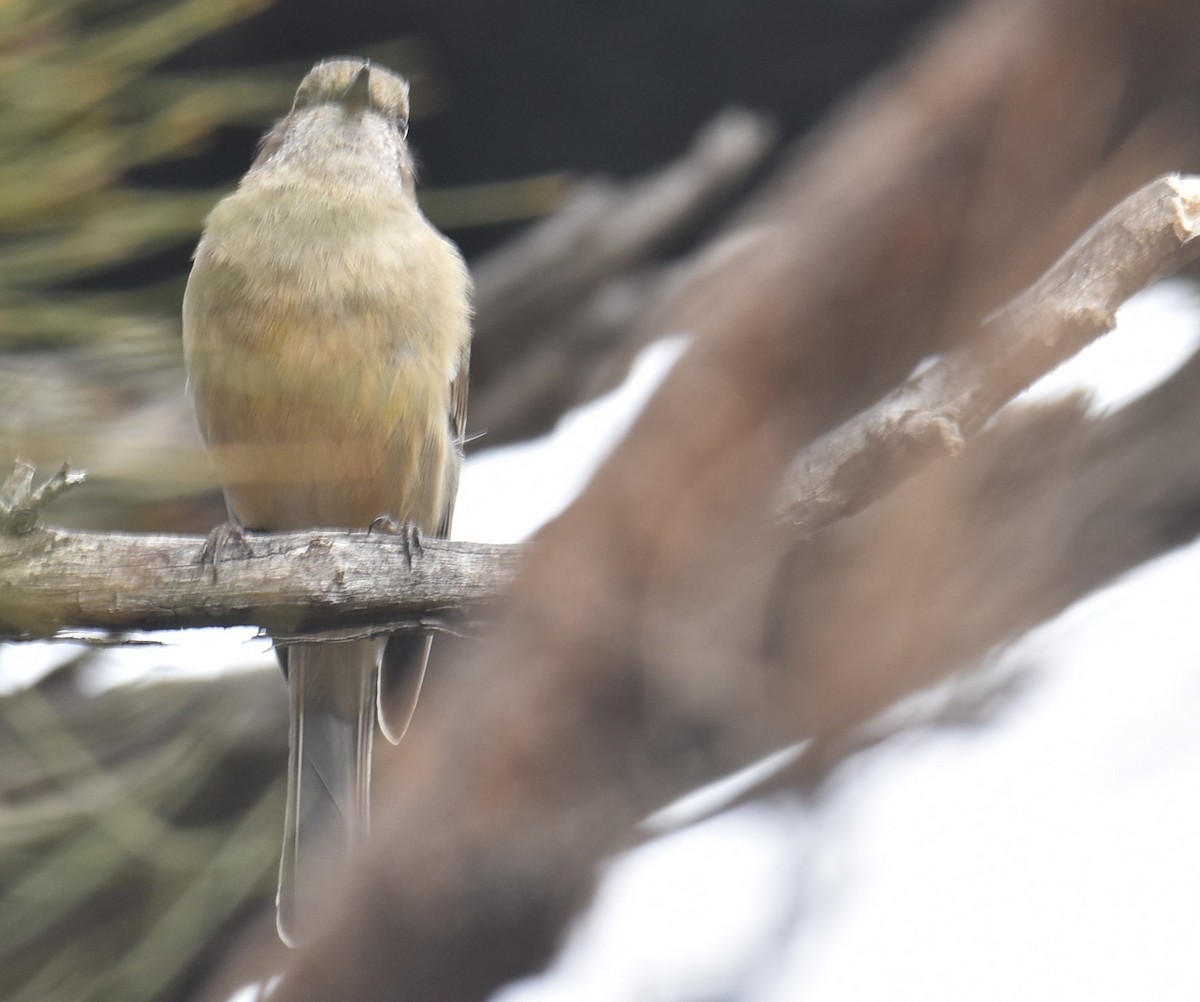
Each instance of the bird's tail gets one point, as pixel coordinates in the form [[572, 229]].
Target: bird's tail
[[332, 696], [404, 661]]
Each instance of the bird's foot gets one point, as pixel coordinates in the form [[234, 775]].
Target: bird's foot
[[408, 532], [219, 542]]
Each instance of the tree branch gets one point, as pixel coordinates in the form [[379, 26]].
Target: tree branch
[[1148, 236], [562, 295], [603, 229], [284, 582], [21, 502]]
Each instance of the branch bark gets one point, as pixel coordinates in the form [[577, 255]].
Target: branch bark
[[284, 582]]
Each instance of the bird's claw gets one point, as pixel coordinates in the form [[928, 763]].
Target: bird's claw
[[408, 532], [218, 543]]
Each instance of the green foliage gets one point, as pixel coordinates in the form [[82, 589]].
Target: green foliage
[[81, 105], [138, 824], [124, 844]]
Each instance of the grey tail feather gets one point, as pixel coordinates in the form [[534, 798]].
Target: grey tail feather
[[332, 699], [404, 661]]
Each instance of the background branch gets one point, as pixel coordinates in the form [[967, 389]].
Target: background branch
[[557, 304]]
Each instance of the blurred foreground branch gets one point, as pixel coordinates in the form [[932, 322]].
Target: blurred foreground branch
[[667, 629]]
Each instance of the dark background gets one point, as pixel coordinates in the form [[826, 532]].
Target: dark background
[[529, 86]]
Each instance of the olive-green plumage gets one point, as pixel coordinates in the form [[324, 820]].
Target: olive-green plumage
[[327, 332]]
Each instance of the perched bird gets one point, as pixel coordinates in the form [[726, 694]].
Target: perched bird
[[327, 330]]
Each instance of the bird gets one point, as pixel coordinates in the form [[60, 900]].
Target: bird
[[326, 332]]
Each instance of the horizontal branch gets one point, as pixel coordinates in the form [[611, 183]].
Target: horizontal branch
[[284, 582], [1146, 237], [295, 582]]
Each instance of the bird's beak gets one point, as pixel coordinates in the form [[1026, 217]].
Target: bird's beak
[[357, 96]]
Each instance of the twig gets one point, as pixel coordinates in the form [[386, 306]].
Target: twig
[[21, 502], [1148, 236]]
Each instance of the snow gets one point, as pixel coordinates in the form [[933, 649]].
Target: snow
[[1049, 855]]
